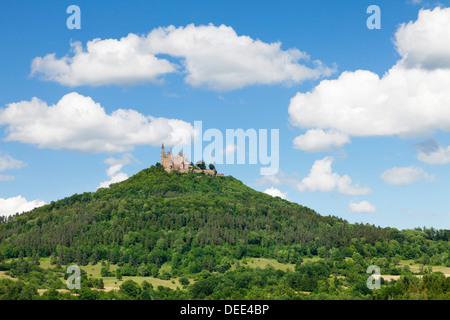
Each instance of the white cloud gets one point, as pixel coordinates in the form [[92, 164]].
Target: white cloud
[[116, 176], [218, 58], [361, 207], [108, 61], [113, 172], [214, 57], [317, 140], [6, 177], [411, 99], [8, 162], [424, 43], [274, 192], [76, 122], [440, 155], [322, 178], [18, 204], [405, 175]]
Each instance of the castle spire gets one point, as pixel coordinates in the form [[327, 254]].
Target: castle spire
[[163, 154]]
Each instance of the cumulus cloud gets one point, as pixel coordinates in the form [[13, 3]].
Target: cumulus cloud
[[432, 152], [361, 207], [405, 175], [274, 192], [211, 56], [109, 61], [77, 122], [322, 178], [427, 146], [113, 172], [424, 43], [18, 204], [8, 162], [411, 99], [317, 140]]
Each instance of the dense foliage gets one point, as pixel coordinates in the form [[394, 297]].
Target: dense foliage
[[202, 226]]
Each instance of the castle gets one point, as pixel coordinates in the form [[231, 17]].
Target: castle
[[178, 162], [181, 164]]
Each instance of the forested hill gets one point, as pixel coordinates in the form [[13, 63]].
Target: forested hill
[[154, 215]]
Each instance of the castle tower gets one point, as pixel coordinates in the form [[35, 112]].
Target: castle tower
[[180, 163], [166, 159]]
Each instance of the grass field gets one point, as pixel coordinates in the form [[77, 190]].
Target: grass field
[[417, 268], [3, 275], [112, 283], [263, 262]]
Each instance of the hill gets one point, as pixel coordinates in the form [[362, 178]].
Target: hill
[[195, 209], [159, 224]]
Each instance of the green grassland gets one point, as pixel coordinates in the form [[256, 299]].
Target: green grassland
[[263, 263], [3, 275], [418, 268], [112, 283]]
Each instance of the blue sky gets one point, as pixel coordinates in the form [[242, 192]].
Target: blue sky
[[354, 142]]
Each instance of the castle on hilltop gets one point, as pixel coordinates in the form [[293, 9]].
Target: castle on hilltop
[[181, 164], [177, 162]]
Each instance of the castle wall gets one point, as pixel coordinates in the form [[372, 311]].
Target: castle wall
[[166, 160], [180, 163]]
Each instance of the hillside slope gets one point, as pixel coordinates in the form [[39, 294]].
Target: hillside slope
[[200, 231], [155, 208]]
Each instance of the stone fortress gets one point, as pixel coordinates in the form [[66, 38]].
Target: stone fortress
[[181, 164]]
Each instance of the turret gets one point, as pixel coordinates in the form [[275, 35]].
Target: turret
[[163, 154]]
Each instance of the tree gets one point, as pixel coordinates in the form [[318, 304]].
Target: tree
[[88, 294], [201, 165], [34, 258], [51, 294], [184, 281], [130, 288], [95, 257], [202, 288], [425, 259], [104, 272], [143, 270]]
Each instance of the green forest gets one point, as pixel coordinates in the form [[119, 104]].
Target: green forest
[[160, 235]]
